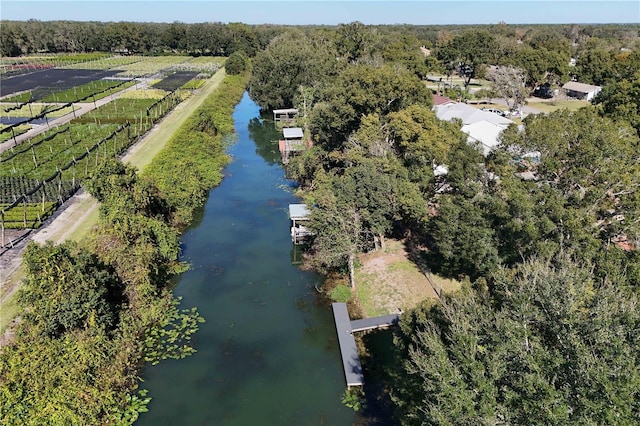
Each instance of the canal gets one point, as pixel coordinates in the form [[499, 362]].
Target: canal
[[267, 353]]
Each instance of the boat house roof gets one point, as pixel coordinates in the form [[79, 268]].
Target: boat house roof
[[292, 133], [298, 211], [286, 111]]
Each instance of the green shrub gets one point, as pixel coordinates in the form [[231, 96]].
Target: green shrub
[[341, 293], [236, 63]]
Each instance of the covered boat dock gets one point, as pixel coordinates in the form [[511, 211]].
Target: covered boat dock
[[286, 115], [299, 215]]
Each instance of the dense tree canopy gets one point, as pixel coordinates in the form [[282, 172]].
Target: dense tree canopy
[[544, 344], [291, 61], [358, 91], [22, 38], [467, 52]]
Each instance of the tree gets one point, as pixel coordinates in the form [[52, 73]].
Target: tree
[[69, 289], [291, 60], [236, 63], [405, 51], [338, 234], [421, 141], [463, 241], [509, 83], [541, 66], [358, 91], [466, 52], [621, 101], [543, 344], [353, 41]]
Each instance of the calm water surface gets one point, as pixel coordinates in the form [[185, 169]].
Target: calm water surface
[[268, 352]]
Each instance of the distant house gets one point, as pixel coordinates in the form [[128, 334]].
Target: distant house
[[441, 100], [583, 91]]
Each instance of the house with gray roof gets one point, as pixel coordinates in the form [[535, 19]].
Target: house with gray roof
[[583, 91]]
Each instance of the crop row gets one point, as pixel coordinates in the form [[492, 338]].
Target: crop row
[[51, 191], [108, 63], [53, 59], [175, 81], [33, 110], [17, 131], [151, 66], [95, 90], [46, 159], [60, 157], [47, 136], [26, 216]]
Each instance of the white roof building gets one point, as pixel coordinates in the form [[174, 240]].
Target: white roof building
[[581, 90], [292, 133], [485, 133], [482, 126], [468, 114]]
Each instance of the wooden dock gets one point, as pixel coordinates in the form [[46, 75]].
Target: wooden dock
[[292, 142], [348, 350], [374, 323], [287, 148]]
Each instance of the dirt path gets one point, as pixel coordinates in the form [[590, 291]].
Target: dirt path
[[76, 216]]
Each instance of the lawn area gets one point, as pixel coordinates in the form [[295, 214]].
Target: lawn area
[[550, 106], [475, 84], [388, 280]]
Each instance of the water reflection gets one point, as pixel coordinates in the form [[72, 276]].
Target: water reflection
[[265, 135]]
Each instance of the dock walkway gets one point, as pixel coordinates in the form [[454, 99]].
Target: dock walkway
[[348, 350]]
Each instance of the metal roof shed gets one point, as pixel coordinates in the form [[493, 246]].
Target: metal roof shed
[[292, 133], [299, 212], [286, 114]]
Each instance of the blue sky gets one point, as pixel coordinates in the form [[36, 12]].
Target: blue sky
[[328, 12]]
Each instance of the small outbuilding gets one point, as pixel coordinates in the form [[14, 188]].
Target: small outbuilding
[[292, 134], [583, 91], [286, 115], [292, 142]]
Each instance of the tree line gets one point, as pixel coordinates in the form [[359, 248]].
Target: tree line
[[545, 328], [216, 38]]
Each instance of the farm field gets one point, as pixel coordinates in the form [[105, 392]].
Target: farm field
[[95, 90], [53, 79], [152, 66], [77, 219], [48, 60], [41, 173]]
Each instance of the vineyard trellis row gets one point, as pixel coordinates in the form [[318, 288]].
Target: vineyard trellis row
[[32, 206], [16, 151]]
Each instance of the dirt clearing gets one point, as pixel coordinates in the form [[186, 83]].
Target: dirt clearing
[[388, 280]]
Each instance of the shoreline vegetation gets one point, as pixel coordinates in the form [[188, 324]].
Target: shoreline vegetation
[[112, 310]]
